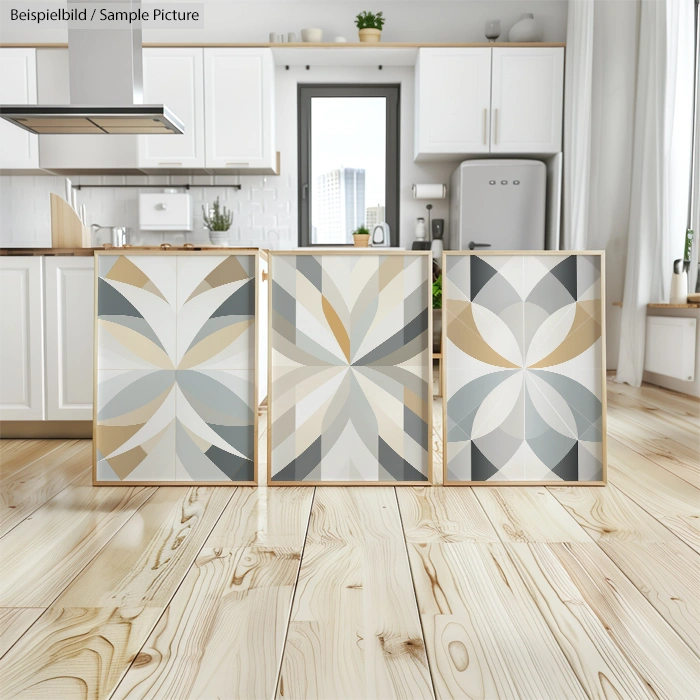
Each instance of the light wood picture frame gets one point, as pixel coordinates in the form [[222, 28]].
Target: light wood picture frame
[[331, 327], [205, 341], [575, 292]]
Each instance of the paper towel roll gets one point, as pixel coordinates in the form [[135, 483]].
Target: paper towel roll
[[437, 191]]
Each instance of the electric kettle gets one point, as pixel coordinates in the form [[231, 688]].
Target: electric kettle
[[379, 237]]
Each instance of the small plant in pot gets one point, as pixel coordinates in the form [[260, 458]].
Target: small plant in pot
[[217, 221], [370, 26], [360, 237]]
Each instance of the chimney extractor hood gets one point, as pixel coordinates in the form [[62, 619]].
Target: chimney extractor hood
[[106, 94]]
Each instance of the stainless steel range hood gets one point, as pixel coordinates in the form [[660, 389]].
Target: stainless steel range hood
[[106, 88]]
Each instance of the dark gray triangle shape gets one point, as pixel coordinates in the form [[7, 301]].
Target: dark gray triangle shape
[[111, 302], [235, 467], [300, 467], [567, 469], [565, 272], [482, 469], [396, 465], [480, 273], [240, 303]]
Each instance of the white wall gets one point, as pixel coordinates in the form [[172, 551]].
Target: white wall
[[407, 20], [613, 98]]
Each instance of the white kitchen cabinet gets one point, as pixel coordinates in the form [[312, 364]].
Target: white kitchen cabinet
[[21, 338], [481, 100], [527, 92], [69, 314], [239, 102], [453, 99], [174, 77], [19, 150]]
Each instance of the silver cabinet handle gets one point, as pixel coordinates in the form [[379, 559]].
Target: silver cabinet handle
[[486, 126], [171, 163], [495, 126], [242, 165]]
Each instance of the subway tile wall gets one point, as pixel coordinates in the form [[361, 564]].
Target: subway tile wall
[[264, 209]]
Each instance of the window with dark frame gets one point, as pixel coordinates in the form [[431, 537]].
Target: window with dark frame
[[348, 161]]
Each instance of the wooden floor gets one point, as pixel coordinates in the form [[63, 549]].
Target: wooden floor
[[230, 593]]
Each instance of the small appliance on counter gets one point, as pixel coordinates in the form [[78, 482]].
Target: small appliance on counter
[[438, 230], [118, 235], [498, 205], [379, 236]]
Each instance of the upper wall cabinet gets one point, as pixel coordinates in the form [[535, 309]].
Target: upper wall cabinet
[[174, 77], [19, 150], [453, 98], [239, 102], [501, 100], [527, 91]]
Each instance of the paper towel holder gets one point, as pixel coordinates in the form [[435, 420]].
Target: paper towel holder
[[429, 191]]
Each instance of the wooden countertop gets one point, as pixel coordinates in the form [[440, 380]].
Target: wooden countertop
[[91, 251]]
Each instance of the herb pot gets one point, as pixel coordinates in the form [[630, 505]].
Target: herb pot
[[219, 238], [370, 36], [360, 240]]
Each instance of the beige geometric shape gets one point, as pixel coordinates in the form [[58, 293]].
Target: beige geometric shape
[[389, 269], [110, 437], [463, 332], [213, 344], [138, 344], [125, 271], [336, 326], [126, 462], [228, 271], [585, 330]]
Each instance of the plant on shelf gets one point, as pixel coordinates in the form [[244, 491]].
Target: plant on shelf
[[218, 221], [360, 237], [370, 26], [437, 293]]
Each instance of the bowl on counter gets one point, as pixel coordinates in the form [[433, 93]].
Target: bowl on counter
[[312, 36]]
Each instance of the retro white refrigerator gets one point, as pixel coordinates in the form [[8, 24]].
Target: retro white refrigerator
[[498, 205]]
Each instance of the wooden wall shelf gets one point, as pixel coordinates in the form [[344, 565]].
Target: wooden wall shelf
[[673, 306], [320, 45]]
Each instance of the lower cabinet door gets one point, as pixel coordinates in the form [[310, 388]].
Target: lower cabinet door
[[21, 339], [69, 291]]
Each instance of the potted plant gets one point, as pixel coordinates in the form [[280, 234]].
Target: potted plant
[[370, 26], [360, 237], [218, 221], [437, 312]]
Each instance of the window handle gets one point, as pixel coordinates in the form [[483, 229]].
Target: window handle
[[473, 245], [305, 190]]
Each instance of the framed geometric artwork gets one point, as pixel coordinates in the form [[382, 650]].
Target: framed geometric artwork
[[524, 376], [350, 392], [175, 368]]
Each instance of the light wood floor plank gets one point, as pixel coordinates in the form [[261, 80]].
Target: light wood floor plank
[[438, 514], [608, 515], [16, 455], [673, 501], [84, 643], [667, 665], [354, 630], [654, 397], [43, 554], [14, 622], [598, 663], [222, 634], [485, 637], [24, 491], [528, 514]]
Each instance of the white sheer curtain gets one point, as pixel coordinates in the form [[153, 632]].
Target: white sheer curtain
[[661, 159], [577, 124]]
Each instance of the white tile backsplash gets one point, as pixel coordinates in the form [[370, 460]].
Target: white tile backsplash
[[261, 209]]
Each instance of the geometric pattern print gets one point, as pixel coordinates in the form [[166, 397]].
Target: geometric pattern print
[[350, 362], [175, 368], [524, 368]]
